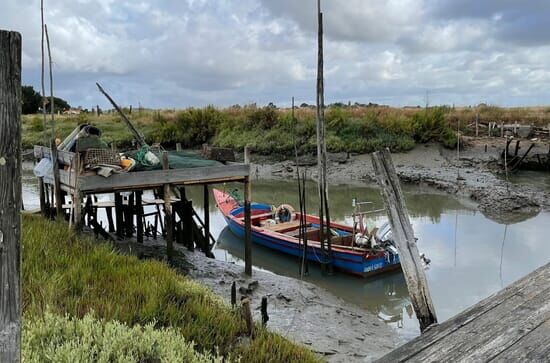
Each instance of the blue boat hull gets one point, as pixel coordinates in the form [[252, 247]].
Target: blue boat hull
[[350, 262]]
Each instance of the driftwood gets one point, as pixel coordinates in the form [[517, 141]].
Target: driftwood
[[403, 236], [10, 196]]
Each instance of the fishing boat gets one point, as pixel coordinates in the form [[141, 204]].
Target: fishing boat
[[362, 254]]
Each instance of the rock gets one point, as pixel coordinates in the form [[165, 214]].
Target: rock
[[253, 285]]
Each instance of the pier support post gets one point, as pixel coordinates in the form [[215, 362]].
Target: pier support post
[[139, 216], [206, 206], [56, 182], [178, 146], [10, 196], [403, 236], [119, 216], [42, 191], [169, 228], [247, 154], [247, 230]]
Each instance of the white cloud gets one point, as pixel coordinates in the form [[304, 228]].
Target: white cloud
[[195, 52]]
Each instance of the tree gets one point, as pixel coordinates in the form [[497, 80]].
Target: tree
[[31, 100]]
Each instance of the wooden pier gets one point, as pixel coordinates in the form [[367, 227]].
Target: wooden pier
[[512, 325], [181, 223]]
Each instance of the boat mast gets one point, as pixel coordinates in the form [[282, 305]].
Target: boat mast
[[321, 147]]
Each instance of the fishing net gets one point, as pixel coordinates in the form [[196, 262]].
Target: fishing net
[[176, 160]]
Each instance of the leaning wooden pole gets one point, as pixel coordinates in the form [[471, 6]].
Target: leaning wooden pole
[[10, 196], [44, 117], [403, 236]]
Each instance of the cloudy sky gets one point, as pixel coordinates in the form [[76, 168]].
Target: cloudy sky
[[179, 53]]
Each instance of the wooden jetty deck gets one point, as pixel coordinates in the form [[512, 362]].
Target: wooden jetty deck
[[512, 325]]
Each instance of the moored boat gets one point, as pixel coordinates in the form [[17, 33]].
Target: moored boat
[[279, 229]]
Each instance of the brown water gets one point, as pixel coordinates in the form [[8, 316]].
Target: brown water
[[471, 256]]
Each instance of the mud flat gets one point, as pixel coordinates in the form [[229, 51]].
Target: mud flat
[[472, 175], [336, 330]]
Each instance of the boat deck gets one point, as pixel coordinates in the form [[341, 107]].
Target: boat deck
[[512, 325]]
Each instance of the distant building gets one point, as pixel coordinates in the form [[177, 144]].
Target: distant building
[[72, 111]]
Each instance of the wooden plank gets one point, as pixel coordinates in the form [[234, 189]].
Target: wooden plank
[[526, 286], [64, 157], [158, 178], [10, 196], [494, 331], [403, 236], [529, 348]]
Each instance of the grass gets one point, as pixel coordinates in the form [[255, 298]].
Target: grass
[[269, 130], [73, 275]]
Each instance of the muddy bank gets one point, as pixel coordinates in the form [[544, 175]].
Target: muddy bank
[[338, 331], [472, 176]]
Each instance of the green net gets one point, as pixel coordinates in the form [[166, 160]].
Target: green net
[[176, 160]]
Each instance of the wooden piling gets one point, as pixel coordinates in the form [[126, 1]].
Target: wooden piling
[[206, 206], [168, 211], [129, 216], [247, 316], [77, 197], [10, 196], [139, 216], [247, 154], [477, 124], [247, 229], [403, 236], [42, 192], [263, 309], [119, 216], [178, 146], [57, 185], [233, 294], [188, 225]]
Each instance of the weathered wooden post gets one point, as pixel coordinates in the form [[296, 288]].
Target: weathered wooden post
[[139, 216], [263, 309], [119, 217], [10, 196], [477, 124], [404, 238], [247, 315], [206, 206], [247, 154], [178, 146], [247, 230], [168, 211]]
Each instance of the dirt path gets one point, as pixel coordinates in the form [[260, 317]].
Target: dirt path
[[472, 176]]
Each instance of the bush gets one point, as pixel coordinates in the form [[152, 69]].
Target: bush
[[53, 338]]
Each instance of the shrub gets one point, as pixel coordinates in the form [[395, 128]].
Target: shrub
[[54, 338]]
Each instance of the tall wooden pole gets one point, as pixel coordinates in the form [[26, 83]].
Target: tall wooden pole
[[324, 233], [247, 230], [44, 121], [10, 196], [53, 145], [403, 236]]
